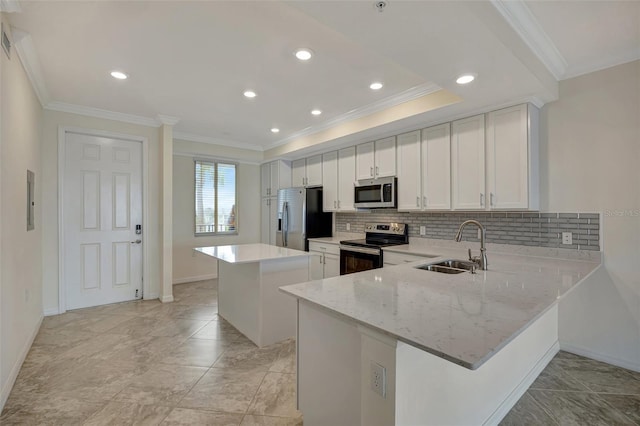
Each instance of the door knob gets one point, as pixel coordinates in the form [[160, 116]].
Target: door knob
[[136, 242]]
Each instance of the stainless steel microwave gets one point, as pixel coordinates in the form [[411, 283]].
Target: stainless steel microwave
[[375, 193]]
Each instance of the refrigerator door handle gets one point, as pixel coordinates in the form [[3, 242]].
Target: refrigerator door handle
[[285, 225]]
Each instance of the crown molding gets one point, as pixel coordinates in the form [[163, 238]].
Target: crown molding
[[23, 43], [10, 6], [189, 137], [602, 63], [167, 120], [402, 97], [520, 18], [102, 113]]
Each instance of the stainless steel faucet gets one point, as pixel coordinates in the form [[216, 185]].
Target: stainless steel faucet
[[482, 259]]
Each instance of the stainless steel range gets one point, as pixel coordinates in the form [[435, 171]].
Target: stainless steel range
[[362, 255]]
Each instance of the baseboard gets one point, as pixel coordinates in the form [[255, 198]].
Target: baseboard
[[13, 375], [522, 387], [51, 311], [577, 350], [194, 279], [166, 299], [151, 296]]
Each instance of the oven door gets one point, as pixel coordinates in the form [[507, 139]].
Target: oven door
[[357, 259]]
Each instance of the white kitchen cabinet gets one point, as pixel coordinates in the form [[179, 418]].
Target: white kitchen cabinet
[[346, 178], [325, 262], [330, 181], [424, 173], [269, 220], [512, 158], [468, 164], [274, 175], [376, 159], [307, 171], [338, 177]]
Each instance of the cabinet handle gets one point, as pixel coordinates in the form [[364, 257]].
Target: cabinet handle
[[481, 199], [377, 172], [424, 201], [335, 204], [321, 256], [417, 201], [491, 199], [371, 171]]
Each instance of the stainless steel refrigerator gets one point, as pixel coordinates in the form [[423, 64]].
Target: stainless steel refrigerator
[[300, 217]]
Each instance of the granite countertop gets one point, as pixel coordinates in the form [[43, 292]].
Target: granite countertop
[[464, 318], [248, 253]]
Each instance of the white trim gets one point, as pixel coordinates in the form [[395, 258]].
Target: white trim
[[167, 120], [101, 113], [23, 42], [195, 279], [13, 374], [62, 131], [520, 18], [166, 299], [215, 158], [406, 96], [511, 400], [51, 311], [189, 137], [10, 6], [578, 350]]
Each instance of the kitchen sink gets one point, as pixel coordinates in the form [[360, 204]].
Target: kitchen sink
[[451, 266]]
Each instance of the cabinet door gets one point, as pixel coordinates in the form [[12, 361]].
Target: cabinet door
[[467, 162], [385, 157], [436, 167], [280, 176], [331, 265], [264, 221], [314, 170], [409, 167], [299, 172], [265, 179], [316, 265], [507, 158], [330, 181], [347, 178], [273, 220], [364, 161]]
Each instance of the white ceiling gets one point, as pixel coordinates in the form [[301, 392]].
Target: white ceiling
[[193, 60]]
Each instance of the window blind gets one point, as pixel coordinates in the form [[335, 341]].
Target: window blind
[[215, 187]]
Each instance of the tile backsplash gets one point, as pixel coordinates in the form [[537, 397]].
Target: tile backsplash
[[520, 228]]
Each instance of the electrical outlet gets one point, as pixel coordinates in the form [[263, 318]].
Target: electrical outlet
[[379, 379], [423, 230], [348, 227], [567, 238]]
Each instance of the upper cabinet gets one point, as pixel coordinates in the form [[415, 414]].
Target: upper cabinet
[[274, 176], [424, 172], [338, 175], [467, 164], [376, 159], [307, 171], [512, 158]]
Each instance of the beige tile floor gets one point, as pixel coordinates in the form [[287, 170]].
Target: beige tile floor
[[149, 363]]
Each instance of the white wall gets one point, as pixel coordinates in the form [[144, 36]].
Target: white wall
[[590, 157], [186, 265], [53, 120], [20, 256]]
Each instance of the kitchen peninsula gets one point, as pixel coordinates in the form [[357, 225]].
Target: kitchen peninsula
[[248, 279], [403, 346]]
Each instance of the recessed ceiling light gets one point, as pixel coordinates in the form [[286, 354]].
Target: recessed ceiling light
[[304, 54], [275, 130], [250, 94], [376, 86], [119, 75], [465, 78], [316, 112]]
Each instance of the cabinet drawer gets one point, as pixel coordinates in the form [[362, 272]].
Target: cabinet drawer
[[324, 248], [391, 258]]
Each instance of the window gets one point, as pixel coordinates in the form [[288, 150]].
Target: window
[[216, 210]]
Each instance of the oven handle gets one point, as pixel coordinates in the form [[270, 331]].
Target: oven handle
[[364, 250]]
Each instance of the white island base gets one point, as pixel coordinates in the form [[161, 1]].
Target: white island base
[[335, 355]]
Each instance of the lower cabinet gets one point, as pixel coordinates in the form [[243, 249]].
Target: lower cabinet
[[269, 220], [325, 262]]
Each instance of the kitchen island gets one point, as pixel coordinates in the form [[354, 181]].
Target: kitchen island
[[248, 279], [448, 349]]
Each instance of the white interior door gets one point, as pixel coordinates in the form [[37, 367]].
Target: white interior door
[[102, 206]]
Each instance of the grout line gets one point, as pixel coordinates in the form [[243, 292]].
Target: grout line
[[544, 410]]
